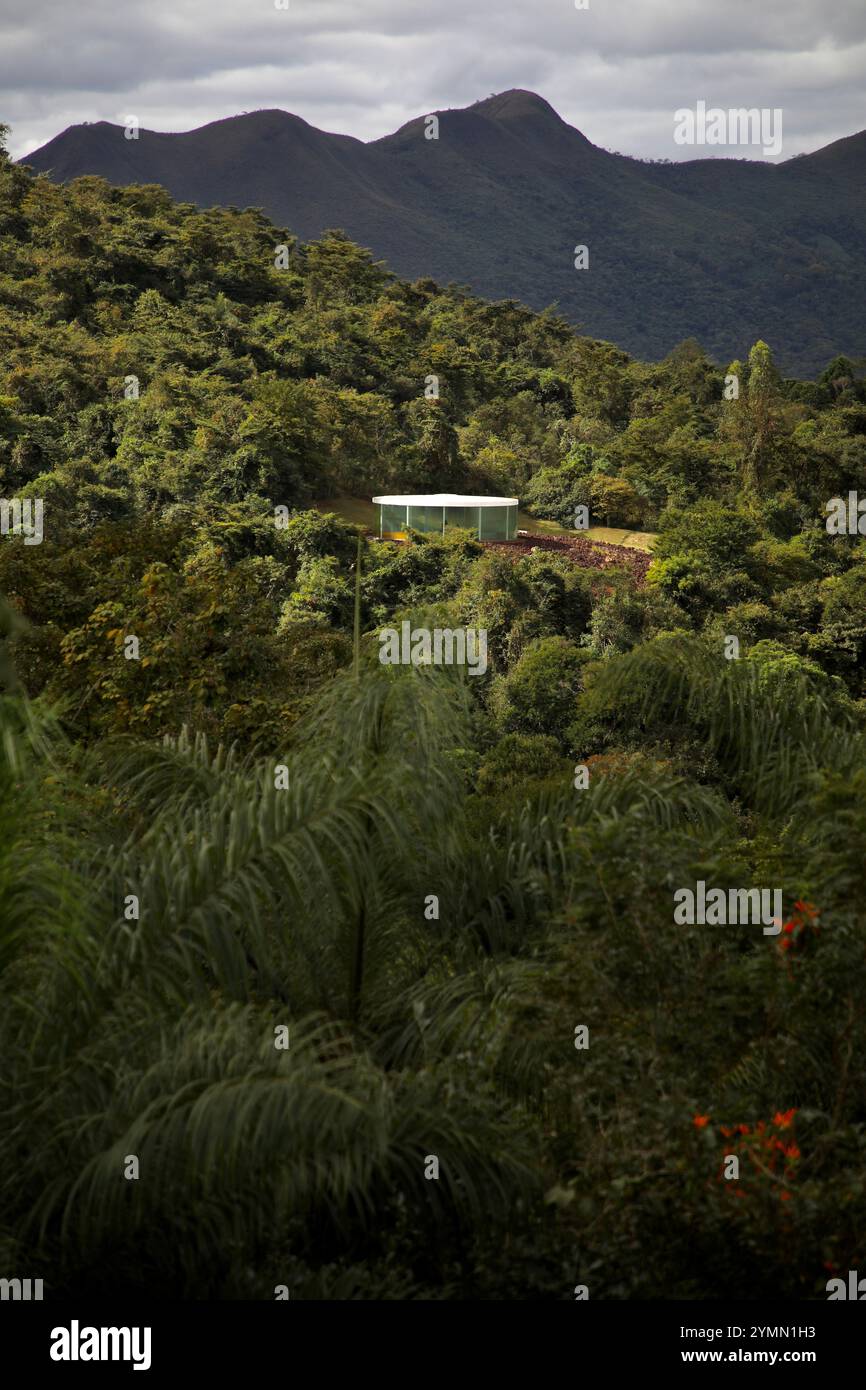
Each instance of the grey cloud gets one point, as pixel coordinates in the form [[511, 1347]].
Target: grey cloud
[[617, 71]]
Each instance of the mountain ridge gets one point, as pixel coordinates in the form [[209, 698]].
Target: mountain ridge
[[723, 250]]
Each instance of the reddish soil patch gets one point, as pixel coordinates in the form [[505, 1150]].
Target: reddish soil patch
[[590, 555]]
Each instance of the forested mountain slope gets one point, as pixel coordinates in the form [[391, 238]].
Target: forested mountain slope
[[375, 970], [727, 251]]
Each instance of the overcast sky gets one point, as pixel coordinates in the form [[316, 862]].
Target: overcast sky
[[616, 71]]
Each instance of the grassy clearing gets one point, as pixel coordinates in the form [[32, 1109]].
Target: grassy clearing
[[360, 511], [616, 535]]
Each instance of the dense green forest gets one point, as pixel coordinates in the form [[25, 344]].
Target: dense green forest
[[281, 925]]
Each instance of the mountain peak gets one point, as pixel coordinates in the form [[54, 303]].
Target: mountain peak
[[533, 120], [515, 104]]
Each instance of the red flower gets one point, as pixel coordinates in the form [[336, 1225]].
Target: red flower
[[783, 1121], [700, 1121]]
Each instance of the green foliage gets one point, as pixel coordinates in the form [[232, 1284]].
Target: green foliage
[[538, 696], [400, 866], [517, 757]]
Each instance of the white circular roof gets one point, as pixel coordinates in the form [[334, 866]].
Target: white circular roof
[[445, 499]]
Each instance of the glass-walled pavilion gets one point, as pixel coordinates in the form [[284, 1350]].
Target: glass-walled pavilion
[[491, 518]]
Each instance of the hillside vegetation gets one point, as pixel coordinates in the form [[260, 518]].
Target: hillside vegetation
[[364, 981], [724, 250]]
